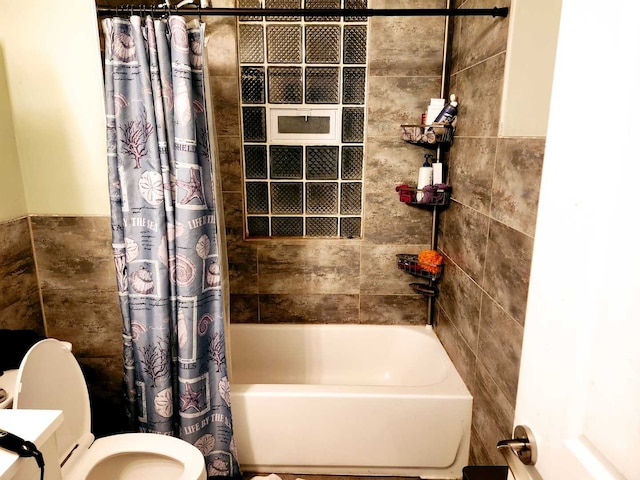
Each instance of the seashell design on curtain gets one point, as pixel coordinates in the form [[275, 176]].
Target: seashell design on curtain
[[165, 235]]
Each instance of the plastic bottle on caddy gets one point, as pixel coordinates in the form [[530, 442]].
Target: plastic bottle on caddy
[[448, 113], [425, 176]]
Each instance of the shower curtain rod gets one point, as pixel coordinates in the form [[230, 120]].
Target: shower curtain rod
[[315, 12]]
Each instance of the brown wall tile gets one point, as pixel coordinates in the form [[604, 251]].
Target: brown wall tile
[[309, 308], [479, 38], [222, 52], [90, 320], [464, 239], [499, 347], [460, 298], [507, 269], [244, 308], [379, 272], [516, 184], [411, 45], [230, 163], [461, 353], [74, 253], [393, 309], [471, 167], [243, 266], [309, 267], [19, 294], [226, 113], [479, 91]]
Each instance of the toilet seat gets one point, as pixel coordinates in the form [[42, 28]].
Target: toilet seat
[[50, 378], [168, 455]]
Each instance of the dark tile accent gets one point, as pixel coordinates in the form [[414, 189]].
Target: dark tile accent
[[104, 381], [233, 221], [479, 92], [390, 162], [507, 269], [393, 309], [459, 351], [464, 239], [244, 308], [492, 414], [409, 46], [230, 163], [460, 298], [379, 272], [308, 308], [312, 267], [516, 184], [222, 53], [91, 321], [74, 253], [243, 266], [500, 346], [224, 92], [394, 101], [479, 38], [471, 168], [19, 297], [478, 454]]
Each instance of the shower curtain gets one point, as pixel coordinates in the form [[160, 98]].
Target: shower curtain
[[165, 235]]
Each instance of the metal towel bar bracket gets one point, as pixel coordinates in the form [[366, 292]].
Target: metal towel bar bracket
[[519, 451]]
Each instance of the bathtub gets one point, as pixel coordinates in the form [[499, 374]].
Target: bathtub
[[347, 399]]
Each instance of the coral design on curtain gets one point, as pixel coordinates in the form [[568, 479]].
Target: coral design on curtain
[[165, 238]]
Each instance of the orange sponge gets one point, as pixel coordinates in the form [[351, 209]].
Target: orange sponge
[[430, 260]]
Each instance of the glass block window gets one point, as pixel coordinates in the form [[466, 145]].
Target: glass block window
[[309, 188]]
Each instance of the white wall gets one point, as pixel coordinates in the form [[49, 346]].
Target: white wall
[[533, 36], [12, 203], [54, 76]]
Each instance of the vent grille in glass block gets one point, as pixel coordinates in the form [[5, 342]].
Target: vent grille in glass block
[[351, 198], [352, 125], [249, 4], [323, 44], [252, 84], [352, 159], [350, 227], [322, 163], [286, 162], [287, 227], [257, 197], [322, 198], [353, 80], [316, 4], [254, 122], [258, 226], [285, 84], [322, 85], [355, 4], [284, 44], [355, 44], [255, 161], [322, 227], [283, 4], [251, 44], [286, 198]]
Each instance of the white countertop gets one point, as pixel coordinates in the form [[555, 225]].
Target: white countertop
[[33, 425]]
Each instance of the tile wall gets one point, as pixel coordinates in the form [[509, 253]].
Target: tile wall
[[487, 233], [340, 281]]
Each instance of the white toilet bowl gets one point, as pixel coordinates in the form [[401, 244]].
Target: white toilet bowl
[[50, 378]]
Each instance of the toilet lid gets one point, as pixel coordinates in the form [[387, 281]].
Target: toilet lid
[[50, 378]]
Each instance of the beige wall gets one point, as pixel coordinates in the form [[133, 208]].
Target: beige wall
[[13, 204], [53, 72]]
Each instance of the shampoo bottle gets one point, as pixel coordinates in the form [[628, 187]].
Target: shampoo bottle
[[425, 176], [449, 112]]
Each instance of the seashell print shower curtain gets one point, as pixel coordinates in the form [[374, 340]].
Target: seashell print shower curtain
[[165, 235]]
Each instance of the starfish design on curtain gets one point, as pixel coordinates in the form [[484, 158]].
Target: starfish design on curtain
[[190, 399], [193, 188]]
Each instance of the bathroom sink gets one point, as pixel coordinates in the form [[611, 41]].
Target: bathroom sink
[[8, 384]]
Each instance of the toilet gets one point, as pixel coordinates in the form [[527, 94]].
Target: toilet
[[49, 378]]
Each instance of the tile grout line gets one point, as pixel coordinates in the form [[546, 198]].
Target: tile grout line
[[37, 271]]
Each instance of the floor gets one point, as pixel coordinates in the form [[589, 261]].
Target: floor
[[293, 476]]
